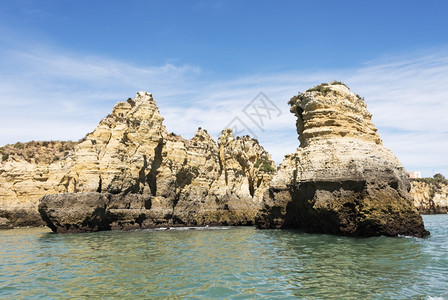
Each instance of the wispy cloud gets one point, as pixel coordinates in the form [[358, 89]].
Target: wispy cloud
[[51, 94], [409, 101], [48, 94]]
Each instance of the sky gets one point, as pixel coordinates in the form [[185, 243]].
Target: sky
[[64, 64]]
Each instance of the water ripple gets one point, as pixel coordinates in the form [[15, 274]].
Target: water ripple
[[225, 263]]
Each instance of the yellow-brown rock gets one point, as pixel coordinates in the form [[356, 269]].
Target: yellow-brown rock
[[341, 179], [27, 172], [182, 182], [430, 195]]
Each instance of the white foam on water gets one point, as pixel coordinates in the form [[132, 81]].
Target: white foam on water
[[189, 228]]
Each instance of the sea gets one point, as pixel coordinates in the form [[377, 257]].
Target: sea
[[222, 263]]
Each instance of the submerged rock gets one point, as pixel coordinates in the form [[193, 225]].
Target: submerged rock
[[5, 224], [341, 179]]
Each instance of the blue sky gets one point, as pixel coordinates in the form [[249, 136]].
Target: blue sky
[[63, 64]]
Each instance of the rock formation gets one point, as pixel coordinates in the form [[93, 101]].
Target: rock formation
[[341, 179], [160, 179], [5, 224], [131, 173], [430, 195]]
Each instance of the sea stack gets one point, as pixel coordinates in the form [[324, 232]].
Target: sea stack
[[341, 180]]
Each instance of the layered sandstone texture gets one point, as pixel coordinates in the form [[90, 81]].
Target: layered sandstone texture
[[341, 180], [27, 172], [182, 182], [430, 195]]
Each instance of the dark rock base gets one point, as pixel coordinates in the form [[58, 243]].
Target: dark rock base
[[88, 212], [20, 218], [346, 208]]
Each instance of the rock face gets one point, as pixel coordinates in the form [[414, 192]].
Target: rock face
[[27, 172], [129, 156], [80, 212], [430, 196], [5, 224], [341, 179]]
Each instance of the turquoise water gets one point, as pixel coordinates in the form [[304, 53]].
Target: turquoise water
[[227, 263]]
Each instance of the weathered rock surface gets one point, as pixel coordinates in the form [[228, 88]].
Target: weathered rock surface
[[130, 153], [430, 196], [92, 211], [341, 180], [27, 172], [5, 224]]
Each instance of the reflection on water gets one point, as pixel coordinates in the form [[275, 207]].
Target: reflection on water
[[231, 263]]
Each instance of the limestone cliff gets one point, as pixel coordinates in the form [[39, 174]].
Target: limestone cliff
[[27, 172], [131, 173], [181, 182], [341, 179], [430, 195]]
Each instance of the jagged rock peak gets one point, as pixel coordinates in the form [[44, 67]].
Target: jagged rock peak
[[144, 96], [143, 106], [226, 137], [331, 110]]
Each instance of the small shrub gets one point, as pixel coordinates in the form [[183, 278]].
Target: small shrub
[[439, 176], [322, 88], [18, 145], [335, 82], [5, 157], [267, 168], [436, 180], [264, 165]]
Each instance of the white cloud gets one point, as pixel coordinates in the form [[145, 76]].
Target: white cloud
[[46, 94], [49, 94], [409, 102]]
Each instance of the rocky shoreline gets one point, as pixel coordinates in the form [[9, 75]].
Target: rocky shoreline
[[131, 173]]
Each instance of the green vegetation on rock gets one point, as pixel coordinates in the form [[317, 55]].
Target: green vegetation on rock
[[436, 180], [322, 88], [264, 165], [38, 151]]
